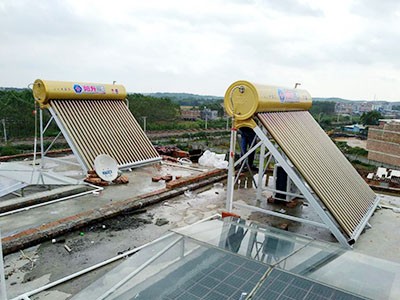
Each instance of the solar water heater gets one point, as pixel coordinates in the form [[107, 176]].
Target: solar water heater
[[322, 174], [95, 119]]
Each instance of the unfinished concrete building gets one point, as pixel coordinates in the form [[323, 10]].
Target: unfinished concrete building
[[383, 142]]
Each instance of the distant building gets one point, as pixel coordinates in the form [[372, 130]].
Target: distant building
[[210, 114], [344, 108], [365, 107], [383, 142], [355, 128], [190, 114]]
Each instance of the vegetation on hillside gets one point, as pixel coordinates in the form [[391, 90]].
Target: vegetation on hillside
[[17, 109], [345, 148], [185, 99], [161, 113], [17, 113], [156, 110]]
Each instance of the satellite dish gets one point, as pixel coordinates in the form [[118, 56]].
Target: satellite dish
[[106, 167]]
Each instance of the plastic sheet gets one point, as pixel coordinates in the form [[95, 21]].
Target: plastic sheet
[[212, 159]]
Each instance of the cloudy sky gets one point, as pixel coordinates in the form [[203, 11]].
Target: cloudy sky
[[341, 48]]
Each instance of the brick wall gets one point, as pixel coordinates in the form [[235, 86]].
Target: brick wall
[[395, 161], [383, 143], [380, 134]]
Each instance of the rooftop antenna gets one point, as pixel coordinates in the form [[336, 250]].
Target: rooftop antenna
[[296, 84]]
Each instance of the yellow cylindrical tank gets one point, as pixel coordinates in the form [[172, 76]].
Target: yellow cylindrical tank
[[46, 90], [244, 99]]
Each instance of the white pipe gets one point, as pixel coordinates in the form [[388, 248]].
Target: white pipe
[[97, 189], [94, 267], [143, 266], [183, 167], [202, 220], [103, 263]]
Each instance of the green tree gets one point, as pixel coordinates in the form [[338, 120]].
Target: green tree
[[156, 110], [324, 107], [371, 118], [16, 107]]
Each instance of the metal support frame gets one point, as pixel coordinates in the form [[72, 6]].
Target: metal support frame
[[75, 151], [67, 162], [12, 188], [260, 167], [327, 220], [231, 170], [281, 215], [52, 143], [140, 163], [42, 159], [67, 138]]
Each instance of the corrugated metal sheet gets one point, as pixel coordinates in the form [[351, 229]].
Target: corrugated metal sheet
[[104, 127], [341, 189]]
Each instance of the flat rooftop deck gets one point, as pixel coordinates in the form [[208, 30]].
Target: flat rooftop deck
[[381, 241]]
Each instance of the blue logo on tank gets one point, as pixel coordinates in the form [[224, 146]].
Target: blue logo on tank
[[281, 95], [78, 89]]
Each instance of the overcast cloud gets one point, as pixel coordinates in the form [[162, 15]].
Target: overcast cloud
[[342, 48]]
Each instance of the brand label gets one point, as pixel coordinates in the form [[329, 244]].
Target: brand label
[[89, 89], [107, 173], [286, 96]]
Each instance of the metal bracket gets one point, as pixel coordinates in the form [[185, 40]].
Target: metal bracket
[[327, 220]]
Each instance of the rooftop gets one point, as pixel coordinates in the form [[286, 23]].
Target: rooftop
[[372, 267]]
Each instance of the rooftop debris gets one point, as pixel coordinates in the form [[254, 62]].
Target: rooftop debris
[[172, 151], [384, 177], [93, 178]]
